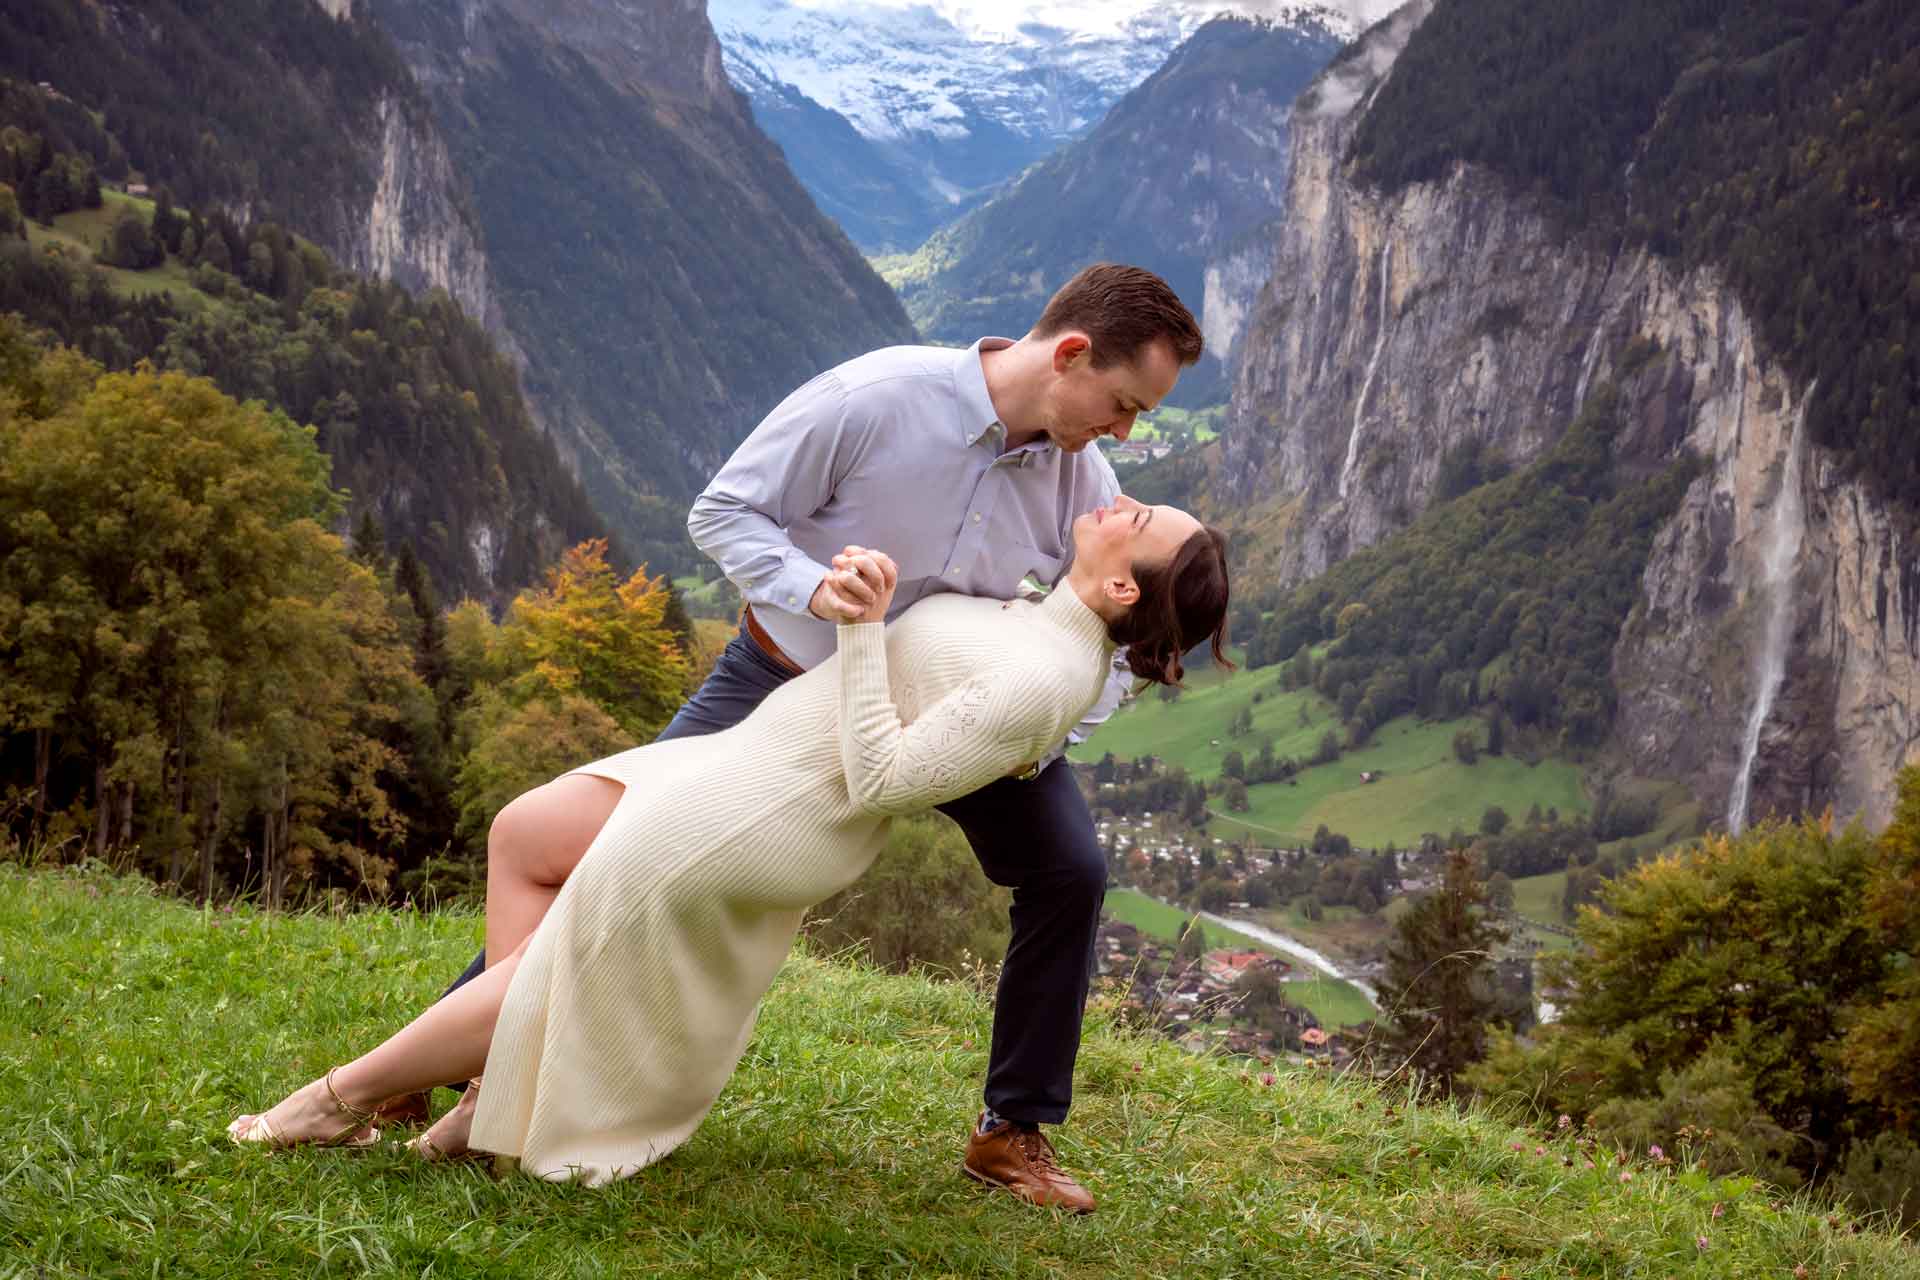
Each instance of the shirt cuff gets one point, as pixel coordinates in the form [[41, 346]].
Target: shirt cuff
[[792, 588]]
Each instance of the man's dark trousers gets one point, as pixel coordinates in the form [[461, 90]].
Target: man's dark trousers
[[1035, 838]]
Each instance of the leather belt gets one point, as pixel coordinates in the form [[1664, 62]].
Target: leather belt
[[765, 641]]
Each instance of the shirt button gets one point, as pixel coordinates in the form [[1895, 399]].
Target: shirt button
[[976, 517], [790, 600], [954, 572]]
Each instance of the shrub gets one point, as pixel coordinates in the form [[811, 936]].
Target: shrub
[[1706, 1109], [924, 901], [1882, 1175]]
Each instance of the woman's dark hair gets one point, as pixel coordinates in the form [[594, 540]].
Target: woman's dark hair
[[1183, 600]]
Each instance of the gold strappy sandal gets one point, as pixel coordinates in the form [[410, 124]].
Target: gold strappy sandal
[[432, 1152], [260, 1130]]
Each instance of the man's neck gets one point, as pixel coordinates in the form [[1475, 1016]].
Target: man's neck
[[1015, 385]]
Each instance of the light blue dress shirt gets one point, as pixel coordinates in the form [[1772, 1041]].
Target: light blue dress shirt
[[899, 450]]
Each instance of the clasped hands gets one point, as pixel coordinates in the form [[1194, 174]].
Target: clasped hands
[[860, 588]]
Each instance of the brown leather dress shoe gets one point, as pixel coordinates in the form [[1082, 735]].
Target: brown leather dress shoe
[[1019, 1158]]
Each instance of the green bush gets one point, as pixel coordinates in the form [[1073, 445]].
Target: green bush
[[924, 901], [1706, 1111], [1882, 1175]]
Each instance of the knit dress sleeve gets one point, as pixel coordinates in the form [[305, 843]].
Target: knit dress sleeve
[[979, 732]]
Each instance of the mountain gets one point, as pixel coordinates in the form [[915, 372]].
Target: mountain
[[896, 117], [667, 277], [262, 117], [1184, 173], [1692, 213]]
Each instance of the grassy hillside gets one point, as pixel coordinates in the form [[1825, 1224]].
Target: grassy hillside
[[83, 234], [134, 1028], [1422, 786]]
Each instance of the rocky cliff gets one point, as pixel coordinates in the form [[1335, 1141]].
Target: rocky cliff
[[666, 276], [418, 228], [1398, 328]]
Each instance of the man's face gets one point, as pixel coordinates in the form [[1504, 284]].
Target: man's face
[[1086, 403]]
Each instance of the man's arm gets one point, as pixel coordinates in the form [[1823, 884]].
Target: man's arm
[[1119, 680], [786, 469], [1106, 487]]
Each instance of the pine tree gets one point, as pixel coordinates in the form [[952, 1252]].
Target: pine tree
[[1436, 992], [370, 543], [167, 223]]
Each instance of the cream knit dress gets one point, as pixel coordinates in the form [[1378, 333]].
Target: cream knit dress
[[637, 993]]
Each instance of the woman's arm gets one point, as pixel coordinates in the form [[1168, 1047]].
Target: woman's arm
[[975, 734]]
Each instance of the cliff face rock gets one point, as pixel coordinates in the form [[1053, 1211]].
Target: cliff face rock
[[412, 223], [419, 230], [657, 47], [666, 276], [1398, 328]]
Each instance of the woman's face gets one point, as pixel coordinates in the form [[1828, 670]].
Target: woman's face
[[1109, 541]]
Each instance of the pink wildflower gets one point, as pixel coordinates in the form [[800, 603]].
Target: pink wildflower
[[1626, 1175], [1266, 1077], [1516, 1146], [1718, 1209], [1565, 1121], [1539, 1151], [1700, 1242], [1656, 1152]]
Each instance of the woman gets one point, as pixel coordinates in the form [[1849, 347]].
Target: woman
[[608, 1030]]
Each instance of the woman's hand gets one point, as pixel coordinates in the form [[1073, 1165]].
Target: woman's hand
[[867, 578]]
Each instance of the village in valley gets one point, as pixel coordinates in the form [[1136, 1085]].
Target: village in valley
[[1215, 976]]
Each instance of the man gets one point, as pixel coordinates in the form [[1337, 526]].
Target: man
[[968, 467]]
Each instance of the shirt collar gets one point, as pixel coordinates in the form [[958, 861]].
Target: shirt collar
[[977, 417]]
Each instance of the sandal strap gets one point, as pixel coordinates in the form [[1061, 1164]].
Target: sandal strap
[[362, 1116]]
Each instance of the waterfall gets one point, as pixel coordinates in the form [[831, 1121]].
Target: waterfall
[[1787, 525], [1373, 365]]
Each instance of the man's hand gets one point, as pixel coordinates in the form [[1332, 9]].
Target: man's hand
[[829, 605], [867, 576]]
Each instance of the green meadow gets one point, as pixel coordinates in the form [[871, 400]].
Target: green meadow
[[132, 1028], [83, 234], [1420, 785]]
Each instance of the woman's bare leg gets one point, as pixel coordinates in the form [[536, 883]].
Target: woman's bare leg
[[533, 846], [447, 1042]]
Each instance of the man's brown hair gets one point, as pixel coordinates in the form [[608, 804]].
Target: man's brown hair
[[1121, 309]]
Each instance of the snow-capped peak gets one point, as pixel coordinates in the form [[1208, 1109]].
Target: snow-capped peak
[[895, 68]]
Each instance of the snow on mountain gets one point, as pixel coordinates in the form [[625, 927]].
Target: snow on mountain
[[898, 115], [939, 67]]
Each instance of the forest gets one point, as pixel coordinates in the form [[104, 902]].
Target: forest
[[1512, 593], [201, 681], [422, 417]]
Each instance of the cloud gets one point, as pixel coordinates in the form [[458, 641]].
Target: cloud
[[1336, 92]]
